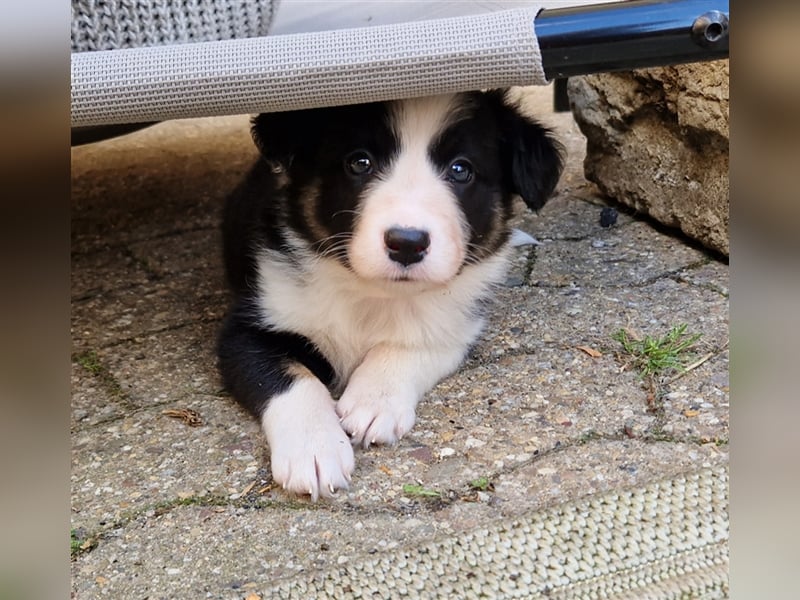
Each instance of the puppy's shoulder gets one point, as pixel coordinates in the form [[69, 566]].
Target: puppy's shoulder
[[252, 220]]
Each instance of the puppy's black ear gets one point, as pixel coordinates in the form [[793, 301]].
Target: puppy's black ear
[[535, 157], [279, 136]]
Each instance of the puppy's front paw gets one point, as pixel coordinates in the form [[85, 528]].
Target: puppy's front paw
[[310, 452], [374, 415]]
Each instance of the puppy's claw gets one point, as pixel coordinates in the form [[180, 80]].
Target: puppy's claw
[[331, 488]]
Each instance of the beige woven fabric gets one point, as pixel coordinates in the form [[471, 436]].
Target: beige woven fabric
[[115, 24], [299, 71], [665, 540]]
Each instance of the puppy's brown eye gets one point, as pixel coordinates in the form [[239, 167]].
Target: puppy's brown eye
[[359, 163], [460, 171]]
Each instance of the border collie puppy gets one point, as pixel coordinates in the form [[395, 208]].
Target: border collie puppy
[[362, 248]]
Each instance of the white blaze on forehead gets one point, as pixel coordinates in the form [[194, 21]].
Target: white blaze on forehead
[[417, 122], [413, 193]]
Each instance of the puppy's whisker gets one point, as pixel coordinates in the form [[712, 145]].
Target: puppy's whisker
[[476, 252], [334, 239], [334, 246], [345, 211]]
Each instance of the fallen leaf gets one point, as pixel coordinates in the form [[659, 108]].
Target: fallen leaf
[[100, 580], [248, 488], [253, 597], [590, 351], [191, 417], [385, 469], [691, 413]]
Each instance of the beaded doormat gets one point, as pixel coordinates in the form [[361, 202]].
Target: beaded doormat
[[668, 539]]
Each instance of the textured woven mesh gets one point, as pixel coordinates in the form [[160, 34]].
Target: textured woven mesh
[[665, 540], [310, 70], [115, 24]]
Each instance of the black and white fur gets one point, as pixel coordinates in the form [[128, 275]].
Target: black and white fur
[[361, 249]]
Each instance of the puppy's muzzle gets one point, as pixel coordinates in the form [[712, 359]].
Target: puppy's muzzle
[[406, 245]]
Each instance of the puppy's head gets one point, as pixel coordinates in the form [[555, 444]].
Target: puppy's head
[[411, 190]]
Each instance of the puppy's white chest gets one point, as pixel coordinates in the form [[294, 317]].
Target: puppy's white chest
[[345, 317]]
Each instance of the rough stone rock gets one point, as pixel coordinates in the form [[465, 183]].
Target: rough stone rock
[[657, 141]]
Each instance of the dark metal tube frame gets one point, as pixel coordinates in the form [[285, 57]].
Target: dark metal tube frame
[[619, 36]]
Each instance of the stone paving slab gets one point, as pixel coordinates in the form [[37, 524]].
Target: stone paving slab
[[229, 550], [546, 408]]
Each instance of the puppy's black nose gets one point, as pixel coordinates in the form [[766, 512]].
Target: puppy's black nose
[[406, 245]]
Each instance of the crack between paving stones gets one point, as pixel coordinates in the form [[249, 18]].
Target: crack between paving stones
[[657, 390], [673, 274], [594, 436], [95, 293], [211, 501], [453, 495], [607, 348], [530, 263], [154, 332], [133, 410], [710, 287], [101, 373], [160, 236]]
